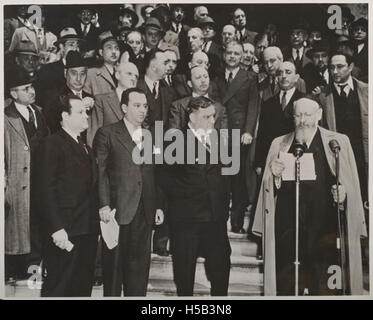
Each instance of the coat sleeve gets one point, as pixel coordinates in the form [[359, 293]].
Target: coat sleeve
[[176, 116], [253, 107], [51, 160], [96, 120], [101, 148]]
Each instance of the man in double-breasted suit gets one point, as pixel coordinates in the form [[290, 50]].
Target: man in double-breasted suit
[[198, 205], [130, 189], [239, 94], [107, 109], [70, 206], [24, 131]]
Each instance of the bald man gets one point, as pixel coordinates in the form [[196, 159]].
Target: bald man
[[276, 117], [228, 34], [320, 271], [200, 13], [107, 108]]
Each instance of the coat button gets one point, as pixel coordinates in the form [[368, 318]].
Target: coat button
[[266, 211], [24, 187], [25, 169], [266, 190], [25, 148]]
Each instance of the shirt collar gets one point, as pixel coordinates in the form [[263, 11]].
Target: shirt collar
[[349, 83], [234, 72], [308, 143], [289, 94], [150, 83], [301, 49], [195, 95]]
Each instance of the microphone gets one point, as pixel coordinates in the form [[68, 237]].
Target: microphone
[[334, 146], [299, 149]]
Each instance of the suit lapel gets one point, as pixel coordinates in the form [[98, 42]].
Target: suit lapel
[[104, 73], [330, 111], [124, 137], [16, 122], [78, 152], [235, 85], [114, 104]]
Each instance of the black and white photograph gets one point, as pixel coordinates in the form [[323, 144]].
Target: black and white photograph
[[173, 150]]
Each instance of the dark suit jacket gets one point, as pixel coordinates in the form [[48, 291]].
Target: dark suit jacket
[[273, 122], [179, 119], [313, 78], [240, 99], [90, 40], [249, 36], [69, 186], [122, 183], [167, 96], [361, 63], [106, 111], [288, 56], [196, 192], [49, 77], [51, 105]]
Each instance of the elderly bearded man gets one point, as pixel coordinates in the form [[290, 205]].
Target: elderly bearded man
[[275, 213]]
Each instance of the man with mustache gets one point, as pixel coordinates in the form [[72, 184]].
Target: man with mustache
[[318, 232], [102, 80]]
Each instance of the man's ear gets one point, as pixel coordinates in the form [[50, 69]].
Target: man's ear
[[319, 114], [100, 52], [189, 65], [13, 94], [124, 108], [65, 73], [351, 66], [192, 117], [189, 83], [297, 76]]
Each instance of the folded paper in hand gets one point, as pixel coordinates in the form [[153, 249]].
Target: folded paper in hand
[[307, 167], [110, 231]]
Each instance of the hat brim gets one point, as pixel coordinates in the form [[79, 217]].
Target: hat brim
[[62, 40], [204, 24], [135, 18], [102, 42]]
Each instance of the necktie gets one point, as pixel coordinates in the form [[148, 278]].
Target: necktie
[[82, 144], [273, 84], [283, 101], [155, 90], [297, 59], [342, 92], [230, 78], [207, 142], [31, 117], [85, 31], [169, 79]]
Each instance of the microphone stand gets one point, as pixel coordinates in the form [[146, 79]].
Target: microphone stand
[[298, 152], [341, 245]]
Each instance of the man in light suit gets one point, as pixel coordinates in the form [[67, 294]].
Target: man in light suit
[[199, 83], [239, 94], [24, 130], [102, 80], [130, 189], [345, 104], [70, 205], [107, 109], [275, 212]]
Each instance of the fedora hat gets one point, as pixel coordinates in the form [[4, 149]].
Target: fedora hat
[[133, 14], [67, 33], [154, 23], [318, 46], [25, 47], [206, 21], [105, 37], [74, 60], [17, 77], [359, 22]]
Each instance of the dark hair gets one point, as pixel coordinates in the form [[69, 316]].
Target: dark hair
[[126, 95], [346, 51], [150, 56], [65, 105], [198, 103], [142, 10]]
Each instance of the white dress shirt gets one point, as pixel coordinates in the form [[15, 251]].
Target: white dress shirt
[[195, 95], [135, 133], [349, 86], [288, 95], [207, 46], [294, 53], [150, 83], [82, 25], [360, 47], [22, 109], [202, 136], [234, 73]]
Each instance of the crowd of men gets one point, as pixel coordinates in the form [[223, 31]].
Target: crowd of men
[[74, 101]]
